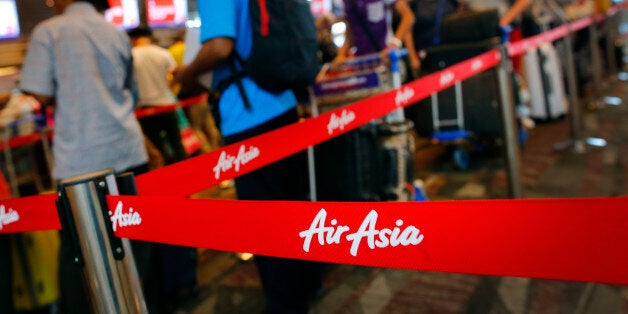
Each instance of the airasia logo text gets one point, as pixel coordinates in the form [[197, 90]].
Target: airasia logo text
[[339, 122], [8, 216], [334, 233], [122, 219], [227, 162]]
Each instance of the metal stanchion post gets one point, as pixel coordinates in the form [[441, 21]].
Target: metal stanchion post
[[577, 140], [8, 159], [113, 282], [311, 162], [509, 132], [611, 33], [595, 59], [47, 154], [574, 103]]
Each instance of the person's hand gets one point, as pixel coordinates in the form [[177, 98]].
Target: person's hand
[[338, 62], [415, 62], [184, 78], [179, 75]]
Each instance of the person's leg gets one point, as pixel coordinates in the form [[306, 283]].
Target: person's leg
[[6, 284], [151, 127], [288, 284], [170, 125], [74, 298]]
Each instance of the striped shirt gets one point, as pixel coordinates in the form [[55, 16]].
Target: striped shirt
[[86, 64]]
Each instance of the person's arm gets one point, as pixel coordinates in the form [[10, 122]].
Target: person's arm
[[515, 10], [415, 61], [37, 75], [212, 53], [406, 21], [42, 99]]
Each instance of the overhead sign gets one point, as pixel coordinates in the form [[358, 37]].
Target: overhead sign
[[166, 13], [123, 13], [9, 23]]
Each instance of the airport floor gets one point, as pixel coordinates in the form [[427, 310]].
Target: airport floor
[[226, 284]]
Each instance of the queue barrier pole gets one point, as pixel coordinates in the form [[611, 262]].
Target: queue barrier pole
[[611, 34], [595, 58], [8, 159], [509, 128], [576, 141], [107, 261]]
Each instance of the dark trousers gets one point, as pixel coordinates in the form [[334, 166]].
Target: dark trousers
[[288, 284], [164, 132], [6, 283]]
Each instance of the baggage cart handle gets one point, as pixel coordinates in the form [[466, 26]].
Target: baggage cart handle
[[374, 57]]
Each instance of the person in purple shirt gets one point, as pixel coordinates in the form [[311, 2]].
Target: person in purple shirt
[[369, 28]]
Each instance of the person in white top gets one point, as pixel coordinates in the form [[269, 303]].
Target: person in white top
[[153, 66]]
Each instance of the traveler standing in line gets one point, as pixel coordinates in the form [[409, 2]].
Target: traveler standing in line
[[199, 114], [82, 65], [173, 271], [369, 29], [226, 28], [153, 66]]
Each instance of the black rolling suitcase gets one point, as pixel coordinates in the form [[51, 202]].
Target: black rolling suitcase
[[480, 92], [371, 163], [348, 166]]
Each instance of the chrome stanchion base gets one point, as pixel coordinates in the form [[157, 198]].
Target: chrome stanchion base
[[580, 146]]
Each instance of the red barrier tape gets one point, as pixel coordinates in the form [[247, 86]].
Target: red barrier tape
[[564, 239], [32, 213], [520, 47], [153, 110], [207, 170], [21, 140]]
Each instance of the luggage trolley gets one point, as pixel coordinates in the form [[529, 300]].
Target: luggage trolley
[[459, 135], [375, 161]]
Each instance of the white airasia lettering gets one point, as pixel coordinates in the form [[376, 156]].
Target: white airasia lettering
[[8, 216], [446, 78], [403, 96], [476, 65], [339, 123], [375, 238], [226, 162], [121, 219]]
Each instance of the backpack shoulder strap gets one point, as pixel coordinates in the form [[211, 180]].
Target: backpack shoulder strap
[[237, 77]]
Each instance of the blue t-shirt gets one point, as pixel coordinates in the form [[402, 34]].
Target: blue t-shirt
[[231, 19]]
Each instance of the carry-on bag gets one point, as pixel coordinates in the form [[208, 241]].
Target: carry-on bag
[[545, 83]]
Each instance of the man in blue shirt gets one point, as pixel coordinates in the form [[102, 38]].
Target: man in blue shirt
[[226, 25]]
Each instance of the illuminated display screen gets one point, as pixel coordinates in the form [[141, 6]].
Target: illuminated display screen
[[123, 13], [320, 7], [166, 13], [9, 23]]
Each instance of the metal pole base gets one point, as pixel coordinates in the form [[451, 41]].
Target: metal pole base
[[580, 146]]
